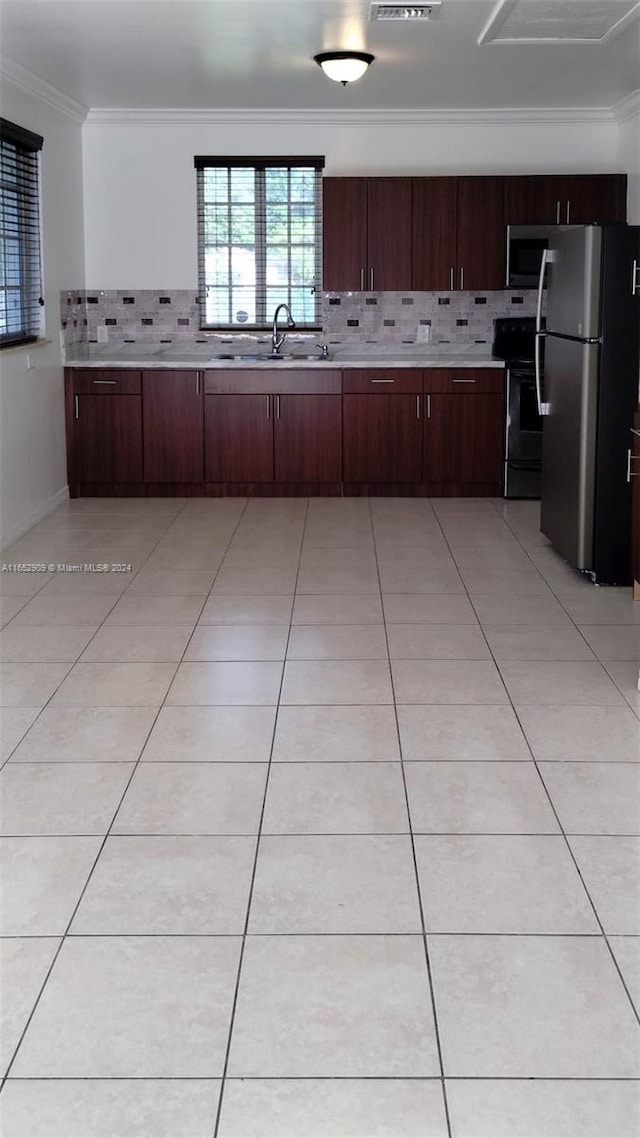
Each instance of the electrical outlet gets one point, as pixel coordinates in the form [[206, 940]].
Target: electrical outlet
[[102, 334], [29, 361], [423, 334]]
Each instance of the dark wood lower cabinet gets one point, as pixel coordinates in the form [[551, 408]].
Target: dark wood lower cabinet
[[238, 438], [635, 515], [308, 438], [107, 439], [382, 438], [173, 426], [464, 438]]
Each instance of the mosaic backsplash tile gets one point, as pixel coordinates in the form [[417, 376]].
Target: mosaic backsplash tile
[[377, 317]]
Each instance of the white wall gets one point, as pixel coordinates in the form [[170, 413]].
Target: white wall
[[140, 213], [629, 161], [32, 442]]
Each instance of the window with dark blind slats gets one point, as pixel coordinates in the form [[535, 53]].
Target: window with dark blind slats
[[259, 240], [20, 269]]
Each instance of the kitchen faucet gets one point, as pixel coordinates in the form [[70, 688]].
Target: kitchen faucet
[[276, 340]]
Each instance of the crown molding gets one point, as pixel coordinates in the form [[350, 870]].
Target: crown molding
[[18, 76], [171, 116], [627, 107]]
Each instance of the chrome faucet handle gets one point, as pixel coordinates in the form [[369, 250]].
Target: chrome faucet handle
[[325, 350]]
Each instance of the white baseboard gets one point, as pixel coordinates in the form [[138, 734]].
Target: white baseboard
[[36, 516]]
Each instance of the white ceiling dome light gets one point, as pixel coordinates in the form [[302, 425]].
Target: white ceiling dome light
[[344, 66]]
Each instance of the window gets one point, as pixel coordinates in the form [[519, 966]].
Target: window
[[20, 275], [259, 240]]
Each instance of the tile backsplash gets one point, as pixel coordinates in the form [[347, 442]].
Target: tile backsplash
[[376, 317]]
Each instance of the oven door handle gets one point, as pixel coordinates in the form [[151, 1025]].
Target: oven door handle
[[543, 408]]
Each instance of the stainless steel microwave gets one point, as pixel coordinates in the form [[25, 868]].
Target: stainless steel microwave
[[525, 245]]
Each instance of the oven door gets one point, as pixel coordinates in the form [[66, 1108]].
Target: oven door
[[524, 436]]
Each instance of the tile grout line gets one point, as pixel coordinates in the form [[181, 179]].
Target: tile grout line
[[117, 598], [245, 933], [425, 946], [7, 1070]]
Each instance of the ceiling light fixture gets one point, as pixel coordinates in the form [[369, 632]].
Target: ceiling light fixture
[[344, 66]]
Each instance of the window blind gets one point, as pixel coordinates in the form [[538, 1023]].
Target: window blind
[[259, 240], [20, 270]]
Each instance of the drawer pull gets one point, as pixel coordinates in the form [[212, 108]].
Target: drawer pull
[[106, 382], [383, 380], [464, 381]]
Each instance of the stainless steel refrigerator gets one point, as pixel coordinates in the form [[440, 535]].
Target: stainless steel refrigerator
[[590, 395]]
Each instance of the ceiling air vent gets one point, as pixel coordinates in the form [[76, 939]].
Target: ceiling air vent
[[558, 21], [395, 10]]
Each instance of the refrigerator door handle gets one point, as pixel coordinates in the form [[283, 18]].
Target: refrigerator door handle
[[634, 278], [543, 408]]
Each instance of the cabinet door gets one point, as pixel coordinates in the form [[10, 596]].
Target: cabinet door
[[389, 234], [344, 234], [173, 426], [382, 438], [594, 198], [533, 199], [464, 438], [434, 234], [481, 236], [238, 438], [107, 438], [308, 438]]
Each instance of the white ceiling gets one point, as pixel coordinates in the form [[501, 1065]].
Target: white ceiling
[[223, 54]]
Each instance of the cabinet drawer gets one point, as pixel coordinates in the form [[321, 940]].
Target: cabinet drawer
[[481, 381], [106, 381], [391, 381]]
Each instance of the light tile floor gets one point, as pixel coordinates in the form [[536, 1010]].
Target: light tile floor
[[322, 821]]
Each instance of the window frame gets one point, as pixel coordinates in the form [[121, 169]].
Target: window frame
[[259, 165], [20, 222]]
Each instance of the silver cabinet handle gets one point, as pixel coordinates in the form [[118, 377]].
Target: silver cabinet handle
[[568, 211], [557, 213], [417, 406], [361, 280], [268, 398], [106, 382], [383, 380], [277, 406], [428, 406], [628, 466], [461, 278], [370, 280], [197, 383], [634, 277], [463, 381], [451, 279], [77, 406]]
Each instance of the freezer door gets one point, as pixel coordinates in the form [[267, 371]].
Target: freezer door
[[573, 294], [569, 448]]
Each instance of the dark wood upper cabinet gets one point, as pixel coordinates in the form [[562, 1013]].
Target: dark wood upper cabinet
[[389, 237], [382, 438], [561, 199], [481, 237], [107, 438], [173, 426], [458, 234], [464, 438], [344, 234], [366, 228], [308, 438], [434, 233]]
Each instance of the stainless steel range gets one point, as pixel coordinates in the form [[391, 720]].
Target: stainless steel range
[[514, 342]]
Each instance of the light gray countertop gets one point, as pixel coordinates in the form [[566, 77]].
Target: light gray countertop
[[204, 356]]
